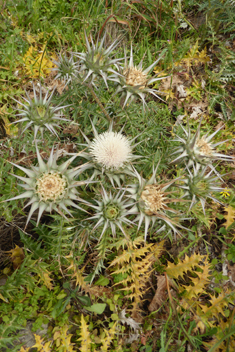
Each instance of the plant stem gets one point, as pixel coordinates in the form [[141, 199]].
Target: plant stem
[[99, 102]]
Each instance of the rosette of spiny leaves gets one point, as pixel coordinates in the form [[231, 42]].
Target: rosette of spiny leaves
[[200, 185], [67, 68], [50, 186], [97, 60], [110, 154], [134, 81], [40, 113], [196, 149], [152, 199], [112, 212]]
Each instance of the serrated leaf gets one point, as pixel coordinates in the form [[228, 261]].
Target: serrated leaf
[[230, 216], [176, 270]]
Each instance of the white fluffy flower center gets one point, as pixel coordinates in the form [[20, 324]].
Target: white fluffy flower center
[[51, 186], [111, 150]]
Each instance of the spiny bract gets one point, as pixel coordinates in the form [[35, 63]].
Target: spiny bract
[[112, 212], [96, 61], [50, 186], [196, 149], [40, 113], [134, 81], [152, 202], [200, 185]]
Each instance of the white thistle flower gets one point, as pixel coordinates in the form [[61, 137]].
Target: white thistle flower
[[40, 113], [109, 153], [152, 202], [96, 61], [196, 149], [134, 81], [50, 186], [200, 185], [112, 212]]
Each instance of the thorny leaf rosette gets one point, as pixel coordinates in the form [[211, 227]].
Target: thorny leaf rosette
[[109, 153], [50, 186], [40, 113], [96, 61], [67, 68], [200, 185], [134, 81], [112, 212], [195, 149], [152, 202]]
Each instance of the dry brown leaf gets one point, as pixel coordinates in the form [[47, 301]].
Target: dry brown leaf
[[160, 294]]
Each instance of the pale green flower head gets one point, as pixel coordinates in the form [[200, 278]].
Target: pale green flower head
[[200, 185], [112, 212], [97, 61], [40, 113]]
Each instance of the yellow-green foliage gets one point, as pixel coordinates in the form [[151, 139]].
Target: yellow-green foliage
[[86, 341], [135, 264]]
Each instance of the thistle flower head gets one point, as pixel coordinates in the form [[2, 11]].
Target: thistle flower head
[[39, 112], [200, 185], [133, 81], [152, 202], [109, 153], [50, 186], [112, 212], [67, 68], [196, 149], [97, 60]]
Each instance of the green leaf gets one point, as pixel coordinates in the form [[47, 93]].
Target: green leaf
[[97, 308], [85, 300], [102, 281]]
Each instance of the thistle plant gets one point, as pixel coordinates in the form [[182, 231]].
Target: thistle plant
[[67, 68], [50, 186], [109, 153], [39, 112], [200, 185], [152, 202], [133, 81], [97, 61], [112, 212], [196, 149]]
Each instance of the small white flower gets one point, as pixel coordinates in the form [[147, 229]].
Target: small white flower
[[109, 153], [111, 150]]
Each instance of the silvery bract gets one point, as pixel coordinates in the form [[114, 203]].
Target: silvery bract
[[200, 185], [97, 60], [50, 186], [67, 68], [111, 212], [152, 202], [196, 149], [134, 81], [39, 112]]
